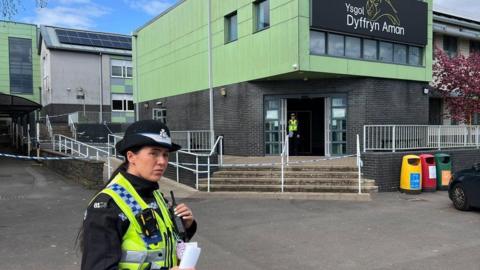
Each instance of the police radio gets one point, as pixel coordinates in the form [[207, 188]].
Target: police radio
[[178, 222]]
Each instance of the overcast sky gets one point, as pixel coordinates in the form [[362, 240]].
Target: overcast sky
[[463, 8]]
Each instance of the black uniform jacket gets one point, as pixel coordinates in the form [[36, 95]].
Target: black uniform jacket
[[105, 224]]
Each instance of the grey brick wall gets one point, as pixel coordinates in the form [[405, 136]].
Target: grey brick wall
[[385, 168], [239, 114]]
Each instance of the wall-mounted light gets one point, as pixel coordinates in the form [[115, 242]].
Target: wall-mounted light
[[69, 89], [159, 103], [223, 91], [426, 90], [145, 105]]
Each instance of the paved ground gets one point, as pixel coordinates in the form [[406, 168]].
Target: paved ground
[[41, 213]]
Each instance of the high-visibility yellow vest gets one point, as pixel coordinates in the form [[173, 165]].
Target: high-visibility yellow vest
[[138, 250], [292, 125]]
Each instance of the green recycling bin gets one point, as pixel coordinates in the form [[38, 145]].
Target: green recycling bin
[[444, 170]]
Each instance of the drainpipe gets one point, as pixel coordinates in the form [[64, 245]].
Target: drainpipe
[[101, 89], [210, 72], [135, 67]]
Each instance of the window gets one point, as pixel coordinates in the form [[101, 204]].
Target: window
[[450, 45], [262, 14], [353, 47], [122, 69], [385, 52], [122, 102], [317, 42], [231, 33], [322, 43], [400, 54], [336, 45], [474, 46], [370, 49], [160, 114], [414, 56], [20, 61], [338, 125]]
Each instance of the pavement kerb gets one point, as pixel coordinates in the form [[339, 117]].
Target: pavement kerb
[[190, 192]]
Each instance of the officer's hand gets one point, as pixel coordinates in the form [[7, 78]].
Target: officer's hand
[[183, 211]]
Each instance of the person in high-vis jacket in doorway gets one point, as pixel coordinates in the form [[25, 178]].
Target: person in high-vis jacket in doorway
[[129, 224]]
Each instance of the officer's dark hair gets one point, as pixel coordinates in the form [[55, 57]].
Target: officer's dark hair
[[121, 168]]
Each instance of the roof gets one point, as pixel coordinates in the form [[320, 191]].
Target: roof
[[11, 105], [58, 38]]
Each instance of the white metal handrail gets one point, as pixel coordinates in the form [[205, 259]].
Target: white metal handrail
[[71, 124], [283, 155], [412, 137], [49, 126], [218, 143], [112, 140], [192, 140], [73, 147]]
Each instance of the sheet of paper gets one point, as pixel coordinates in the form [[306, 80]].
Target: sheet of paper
[[190, 256]]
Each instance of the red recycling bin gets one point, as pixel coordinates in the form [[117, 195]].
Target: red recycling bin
[[429, 172]]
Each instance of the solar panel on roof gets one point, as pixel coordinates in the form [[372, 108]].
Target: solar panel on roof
[[93, 39]]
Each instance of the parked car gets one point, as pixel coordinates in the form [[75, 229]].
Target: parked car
[[464, 189]]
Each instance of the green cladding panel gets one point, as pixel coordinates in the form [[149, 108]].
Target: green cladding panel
[[18, 30], [171, 52]]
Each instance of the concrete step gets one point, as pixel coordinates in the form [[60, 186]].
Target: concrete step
[[287, 188], [289, 181], [294, 168], [288, 174]]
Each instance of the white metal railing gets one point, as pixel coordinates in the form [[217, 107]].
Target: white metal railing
[[49, 127], [92, 117], [71, 124], [111, 142], [359, 165], [73, 147], [197, 171], [192, 140], [284, 155], [412, 137]]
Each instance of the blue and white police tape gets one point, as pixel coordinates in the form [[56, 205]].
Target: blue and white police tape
[[39, 158]]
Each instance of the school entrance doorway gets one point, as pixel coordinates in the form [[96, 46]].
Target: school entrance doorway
[[321, 125]]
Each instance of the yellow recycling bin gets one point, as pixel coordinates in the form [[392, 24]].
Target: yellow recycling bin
[[411, 175]]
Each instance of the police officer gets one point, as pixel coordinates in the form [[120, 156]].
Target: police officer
[[129, 224], [293, 133]]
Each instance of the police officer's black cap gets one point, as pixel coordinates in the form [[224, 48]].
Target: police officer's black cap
[[146, 133]]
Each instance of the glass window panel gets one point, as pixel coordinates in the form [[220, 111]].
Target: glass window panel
[[339, 112], [20, 65], [317, 42], [262, 12], [385, 51], [400, 53], [131, 107], [231, 23], [338, 148], [272, 114], [339, 136], [129, 72], [117, 71], [273, 104], [353, 47], [336, 45], [338, 124], [370, 49], [414, 56], [450, 45], [339, 102], [117, 105]]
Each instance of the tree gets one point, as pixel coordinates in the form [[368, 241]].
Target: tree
[[458, 80], [9, 8]]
